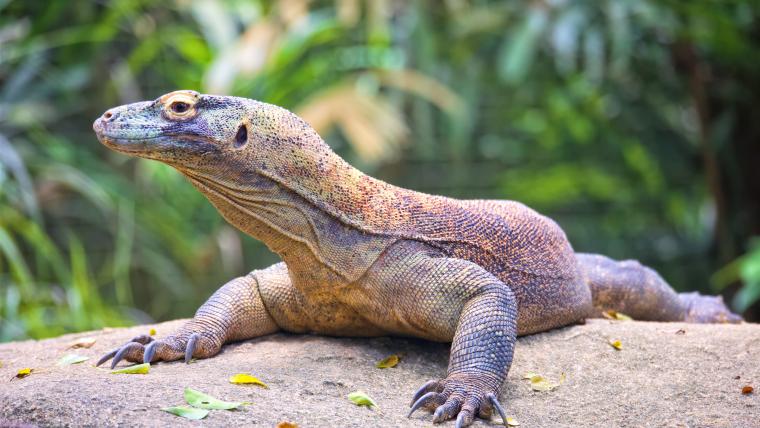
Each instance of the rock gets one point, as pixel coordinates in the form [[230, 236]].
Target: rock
[[661, 377]]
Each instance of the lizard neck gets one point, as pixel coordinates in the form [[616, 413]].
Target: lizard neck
[[290, 225]]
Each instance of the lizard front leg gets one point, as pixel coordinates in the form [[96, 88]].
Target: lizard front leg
[[235, 312]]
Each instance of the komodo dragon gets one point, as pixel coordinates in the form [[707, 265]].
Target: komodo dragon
[[364, 258]]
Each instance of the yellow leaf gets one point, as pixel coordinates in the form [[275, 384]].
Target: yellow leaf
[[24, 373], [286, 424], [143, 368], [540, 383], [362, 399], [152, 332], [387, 362], [512, 422], [615, 315], [616, 344], [246, 379], [84, 342]]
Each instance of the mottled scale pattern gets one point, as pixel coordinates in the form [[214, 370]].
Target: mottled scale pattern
[[365, 258]]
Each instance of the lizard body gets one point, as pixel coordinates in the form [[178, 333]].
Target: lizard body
[[365, 258]]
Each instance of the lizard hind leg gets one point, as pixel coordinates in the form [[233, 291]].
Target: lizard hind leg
[[636, 290]]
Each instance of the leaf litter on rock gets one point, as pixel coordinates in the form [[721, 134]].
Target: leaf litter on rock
[[187, 412], [246, 379], [143, 368], [617, 316], [360, 398], [388, 362], [70, 359], [540, 383], [204, 401], [83, 342]]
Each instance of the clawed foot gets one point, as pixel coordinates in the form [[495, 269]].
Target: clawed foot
[[708, 309], [144, 349], [463, 396]]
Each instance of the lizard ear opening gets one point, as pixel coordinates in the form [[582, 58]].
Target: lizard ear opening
[[241, 137]]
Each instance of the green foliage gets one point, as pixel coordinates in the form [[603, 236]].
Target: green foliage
[[604, 115]]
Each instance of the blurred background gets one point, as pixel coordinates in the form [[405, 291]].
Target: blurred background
[[634, 124]]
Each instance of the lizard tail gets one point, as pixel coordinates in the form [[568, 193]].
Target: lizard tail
[[640, 292]]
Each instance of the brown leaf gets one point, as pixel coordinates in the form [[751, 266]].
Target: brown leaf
[[747, 390], [681, 331], [83, 342], [286, 424]]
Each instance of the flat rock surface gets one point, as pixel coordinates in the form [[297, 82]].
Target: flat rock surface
[[667, 374]]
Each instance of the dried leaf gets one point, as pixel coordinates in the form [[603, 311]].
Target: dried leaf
[[540, 383], [69, 359], [615, 315], [286, 424], [152, 332], [681, 331], [246, 379], [84, 342], [362, 399], [205, 401], [616, 344], [143, 368], [512, 422], [747, 390], [387, 362], [187, 412]]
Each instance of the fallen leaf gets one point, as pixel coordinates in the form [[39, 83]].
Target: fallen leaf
[[286, 424], [615, 315], [616, 344], [152, 332], [737, 377], [362, 399], [69, 359], [246, 379], [84, 342], [540, 383], [205, 401], [22, 373], [681, 331], [512, 422], [187, 412], [387, 362], [747, 390], [143, 368]]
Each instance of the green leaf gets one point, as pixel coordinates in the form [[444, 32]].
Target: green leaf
[[362, 399], [187, 412], [69, 359], [205, 401], [143, 368]]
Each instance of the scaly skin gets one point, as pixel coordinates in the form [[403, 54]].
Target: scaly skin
[[364, 258]]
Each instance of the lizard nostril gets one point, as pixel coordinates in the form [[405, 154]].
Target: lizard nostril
[[107, 116]]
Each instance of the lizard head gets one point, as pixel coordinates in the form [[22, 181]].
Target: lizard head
[[186, 129]]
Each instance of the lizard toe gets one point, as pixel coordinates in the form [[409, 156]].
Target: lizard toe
[[460, 397], [131, 351]]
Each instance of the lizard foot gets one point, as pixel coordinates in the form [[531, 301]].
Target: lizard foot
[[707, 309], [463, 396], [143, 349]]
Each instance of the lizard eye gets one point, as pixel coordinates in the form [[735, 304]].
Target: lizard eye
[[179, 107], [241, 137]]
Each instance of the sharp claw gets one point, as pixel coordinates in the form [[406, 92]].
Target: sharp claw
[[191, 343], [143, 339], [438, 415], [497, 406], [106, 357], [417, 404], [120, 354], [150, 352], [421, 391], [460, 420]]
